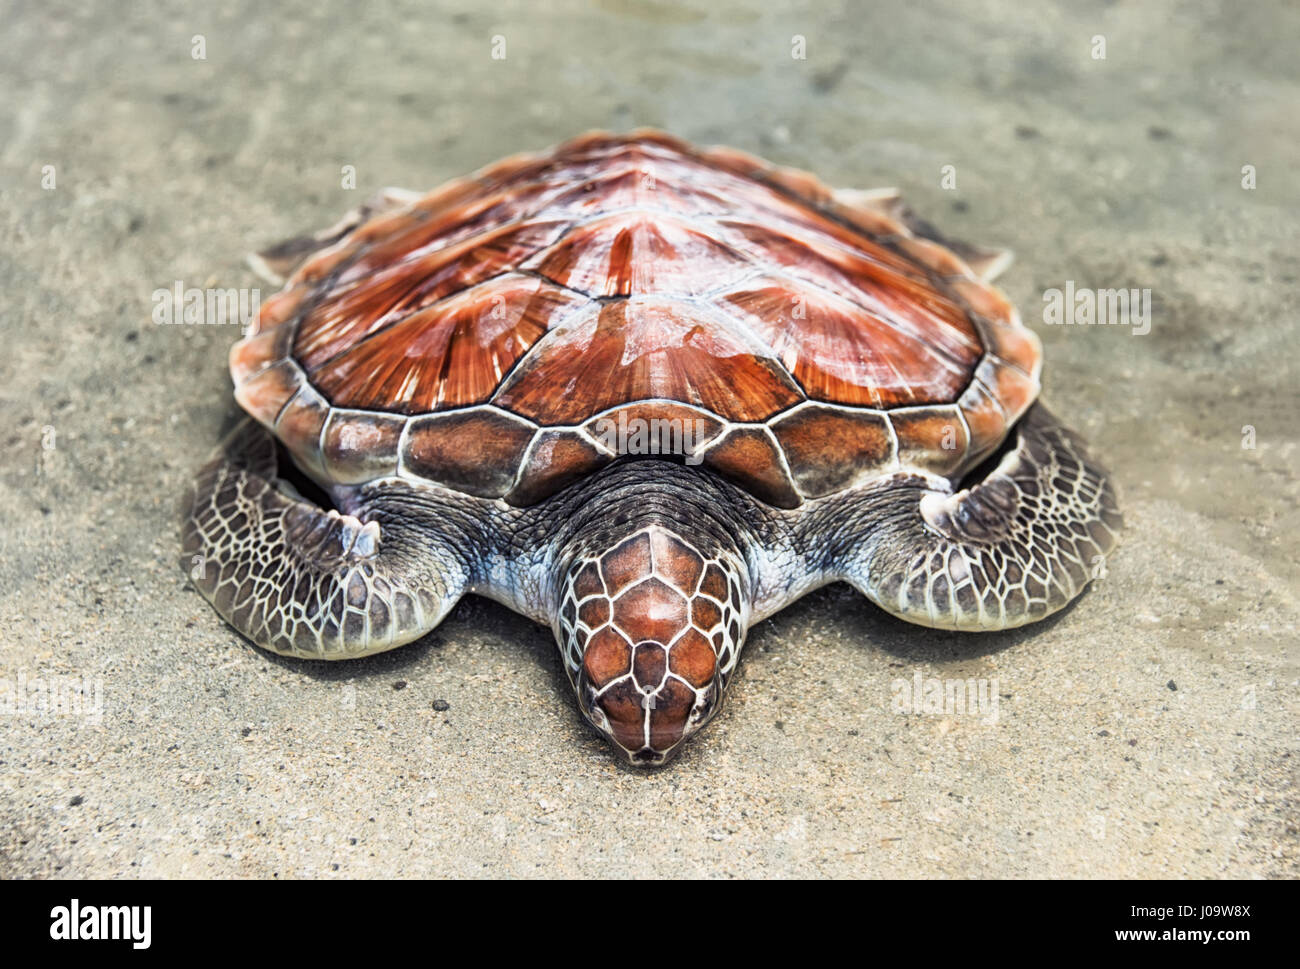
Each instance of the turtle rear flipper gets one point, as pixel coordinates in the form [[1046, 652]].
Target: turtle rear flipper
[[300, 581], [1014, 547], [276, 263], [986, 262]]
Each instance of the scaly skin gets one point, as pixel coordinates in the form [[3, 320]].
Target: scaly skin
[[1013, 549], [649, 572]]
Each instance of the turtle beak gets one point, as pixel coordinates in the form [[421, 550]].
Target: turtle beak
[[647, 721]]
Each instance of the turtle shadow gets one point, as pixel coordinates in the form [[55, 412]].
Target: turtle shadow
[[862, 620], [472, 615], [903, 640]]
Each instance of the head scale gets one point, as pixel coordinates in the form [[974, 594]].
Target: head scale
[[650, 629]]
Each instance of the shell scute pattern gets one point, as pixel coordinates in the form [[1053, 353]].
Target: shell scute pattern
[[548, 292]]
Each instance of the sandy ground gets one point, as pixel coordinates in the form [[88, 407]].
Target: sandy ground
[[1150, 730]]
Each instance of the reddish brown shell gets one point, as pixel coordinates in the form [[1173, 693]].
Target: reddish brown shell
[[487, 336]]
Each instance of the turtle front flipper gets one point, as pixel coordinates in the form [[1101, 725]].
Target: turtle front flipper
[[1008, 550], [301, 581]]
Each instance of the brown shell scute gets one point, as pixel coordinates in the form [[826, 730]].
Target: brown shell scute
[[480, 337], [844, 354], [830, 449], [454, 351], [638, 348], [476, 451]]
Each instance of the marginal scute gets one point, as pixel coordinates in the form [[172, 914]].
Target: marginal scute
[[799, 182], [266, 393], [652, 136], [735, 160], [1015, 390], [280, 308], [935, 257], [985, 419], [1017, 345], [556, 460], [360, 446], [830, 449], [389, 224], [750, 457], [869, 218], [255, 353], [512, 166], [933, 439], [664, 426], [477, 451], [985, 300], [324, 263], [299, 427]]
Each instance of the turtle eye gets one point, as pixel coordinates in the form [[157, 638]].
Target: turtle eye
[[587, 702]]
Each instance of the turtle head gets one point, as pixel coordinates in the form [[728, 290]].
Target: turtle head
[[650, 630]]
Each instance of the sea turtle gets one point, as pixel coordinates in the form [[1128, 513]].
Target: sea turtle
[[647, 394]]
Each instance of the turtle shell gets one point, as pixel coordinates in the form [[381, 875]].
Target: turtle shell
[[489, 336]]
